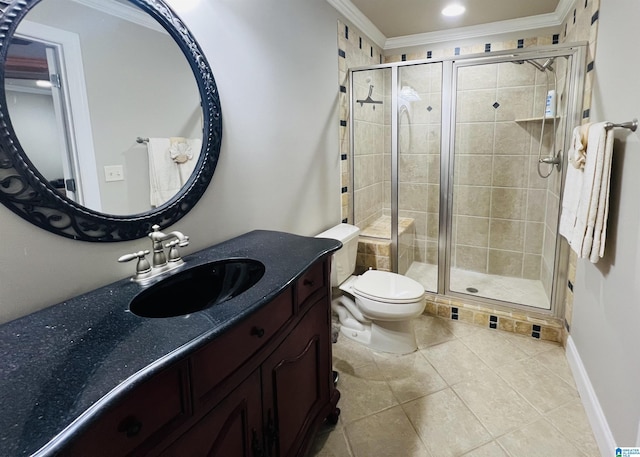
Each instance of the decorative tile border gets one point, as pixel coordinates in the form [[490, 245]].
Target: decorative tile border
[[549, 329], [581, 26], [354, 50]]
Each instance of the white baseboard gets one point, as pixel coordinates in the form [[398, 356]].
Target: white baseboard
[[598, 421]]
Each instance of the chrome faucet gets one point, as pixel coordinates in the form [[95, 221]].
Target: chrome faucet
[[160, 262], [159, 259]]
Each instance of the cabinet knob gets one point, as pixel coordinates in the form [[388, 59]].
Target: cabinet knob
[[257, 331], [130, 426], [308, 282]]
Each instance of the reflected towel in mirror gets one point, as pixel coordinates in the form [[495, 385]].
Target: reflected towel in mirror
[[185, 153], [171, 163], [164, 177]]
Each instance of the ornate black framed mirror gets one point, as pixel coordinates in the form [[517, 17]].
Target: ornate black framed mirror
[[52, 200]]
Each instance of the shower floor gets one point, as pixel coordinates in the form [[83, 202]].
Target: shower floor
[[515, 290]]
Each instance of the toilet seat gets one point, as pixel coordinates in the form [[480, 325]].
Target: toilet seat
[[387, 287]]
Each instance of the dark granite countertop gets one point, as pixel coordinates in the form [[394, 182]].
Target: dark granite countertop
[[61, 366]]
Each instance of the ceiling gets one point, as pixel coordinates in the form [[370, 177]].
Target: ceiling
[[390, 23], [395, 18]]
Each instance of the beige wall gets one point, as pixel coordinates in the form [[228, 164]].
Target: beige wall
[[275, 65]]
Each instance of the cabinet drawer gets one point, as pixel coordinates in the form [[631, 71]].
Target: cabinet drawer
[[311, 281], [220, 358], [152, 408]]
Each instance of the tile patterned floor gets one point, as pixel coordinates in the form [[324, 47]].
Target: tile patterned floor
[[467, 391]]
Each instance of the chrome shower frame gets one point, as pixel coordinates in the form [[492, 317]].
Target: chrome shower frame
[[576, 73]]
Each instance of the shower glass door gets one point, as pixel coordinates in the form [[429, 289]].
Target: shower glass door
[[453, 175], [419, 124], [371, 167], [505, 203]]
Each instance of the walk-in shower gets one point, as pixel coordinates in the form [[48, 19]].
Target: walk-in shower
[[456, 177]]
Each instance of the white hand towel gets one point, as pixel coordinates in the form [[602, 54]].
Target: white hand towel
[[164, 176], [572, 190], [577, 153]]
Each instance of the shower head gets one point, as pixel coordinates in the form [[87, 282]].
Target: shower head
[[544, 67], [548, 63], [537, 65]]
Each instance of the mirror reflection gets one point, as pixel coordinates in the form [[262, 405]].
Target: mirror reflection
[[104, 103]]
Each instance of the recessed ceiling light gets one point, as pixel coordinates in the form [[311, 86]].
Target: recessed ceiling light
[[453, 10]]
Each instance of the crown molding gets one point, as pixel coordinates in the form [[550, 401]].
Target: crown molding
[[474, 31], [124, 12], [563, 9], [353, 14], [362, 22]]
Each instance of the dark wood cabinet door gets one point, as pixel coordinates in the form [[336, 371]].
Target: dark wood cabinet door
[[140, 419], [296, 382], [233, 428]]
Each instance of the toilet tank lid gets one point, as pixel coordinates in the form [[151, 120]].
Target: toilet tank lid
[[381, 285], [341, 232]]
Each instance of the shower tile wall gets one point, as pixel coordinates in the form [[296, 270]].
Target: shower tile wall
[[354, 50], [369, 146], [501, 205]]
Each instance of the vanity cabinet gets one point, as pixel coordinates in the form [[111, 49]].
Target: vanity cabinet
[[261, 389]]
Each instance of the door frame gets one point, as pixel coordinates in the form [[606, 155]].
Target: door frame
[[78, 119]]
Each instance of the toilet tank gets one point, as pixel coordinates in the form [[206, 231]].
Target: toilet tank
[[343, 263]]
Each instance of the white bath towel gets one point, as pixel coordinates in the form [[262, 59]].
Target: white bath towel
[[573, 186], [600, 227], [591, 208], [164, 175]]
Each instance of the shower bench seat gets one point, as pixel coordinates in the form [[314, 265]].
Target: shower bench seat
[[374, 246]]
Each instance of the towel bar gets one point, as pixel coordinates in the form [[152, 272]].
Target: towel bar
[[631, 125]]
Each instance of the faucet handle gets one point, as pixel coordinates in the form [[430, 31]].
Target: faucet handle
[[174, 255], [143, 266]]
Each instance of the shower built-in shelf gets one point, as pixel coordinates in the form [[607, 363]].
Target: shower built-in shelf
[[537, 119]]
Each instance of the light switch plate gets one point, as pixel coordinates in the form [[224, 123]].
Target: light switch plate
[[113, 173]]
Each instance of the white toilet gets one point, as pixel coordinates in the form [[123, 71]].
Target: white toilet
[[385, 303]]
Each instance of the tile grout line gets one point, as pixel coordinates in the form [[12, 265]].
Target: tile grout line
[[453, 337]]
